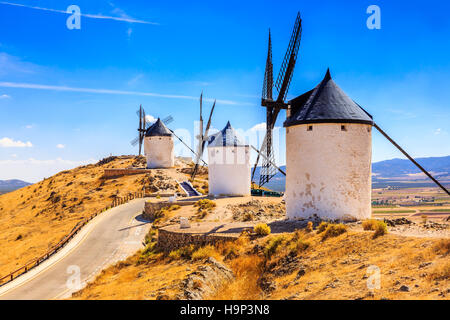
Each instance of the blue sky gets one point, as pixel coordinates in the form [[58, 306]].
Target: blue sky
[[69, 97]]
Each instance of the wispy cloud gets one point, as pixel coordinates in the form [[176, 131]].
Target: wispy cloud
[[122, 16], [5, 96], [108, 91], [60, 146], [10, 143]]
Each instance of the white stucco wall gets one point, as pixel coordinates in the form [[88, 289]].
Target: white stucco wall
[[328, 171], [159, 152], [229, 171]]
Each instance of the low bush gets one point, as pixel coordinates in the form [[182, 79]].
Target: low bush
[[204, 252], [378, 226], [322, 226], [262, 229], [298, 245], [442, 247], [309, 227], [184, 252], [205, 204], [272, 245], [334, 230], [380, 229]]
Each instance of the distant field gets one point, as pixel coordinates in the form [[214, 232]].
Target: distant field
[[394, 211], [436, 210]]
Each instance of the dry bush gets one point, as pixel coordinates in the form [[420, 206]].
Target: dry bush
[[298, 245], [424, 218], [442, 247], [262, 229], [322, 227], [184, 252], [369, 225], [380, 229], [334, 230], [309, 227], [205, 252], [205, 204], [378, 226], [441, 272]]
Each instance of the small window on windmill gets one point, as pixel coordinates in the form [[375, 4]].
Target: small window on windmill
[[343, 128], [310, 128]]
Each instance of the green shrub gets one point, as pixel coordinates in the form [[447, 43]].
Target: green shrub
[[298, 245], [334, 230], [262, 229], [272, 245]]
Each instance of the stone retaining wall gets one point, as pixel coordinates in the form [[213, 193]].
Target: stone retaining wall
[[151, 208], [169, 240], [113, 173]]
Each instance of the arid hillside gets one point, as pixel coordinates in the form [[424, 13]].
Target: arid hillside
[[300, 265], [35, 218]]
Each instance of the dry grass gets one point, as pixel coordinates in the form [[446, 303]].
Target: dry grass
[[247, 269]]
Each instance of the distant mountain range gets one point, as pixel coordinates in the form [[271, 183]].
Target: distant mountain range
[[395, 172], [11, 185]]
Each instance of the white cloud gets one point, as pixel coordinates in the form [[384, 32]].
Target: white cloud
[[150, 118], [34, 170], [60, 146], [29, 126], [129, 32], [259, 127], [122, 16], [5, 96], [118, 92], [10, 143]]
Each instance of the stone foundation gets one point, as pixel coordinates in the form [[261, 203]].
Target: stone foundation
[[169, 240]]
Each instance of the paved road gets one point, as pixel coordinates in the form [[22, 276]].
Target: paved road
[[107, 239]]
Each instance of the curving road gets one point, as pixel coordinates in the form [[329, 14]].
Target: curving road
[[110, 237]]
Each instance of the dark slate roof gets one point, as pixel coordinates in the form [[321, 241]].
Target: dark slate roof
[[158, 129], [326, 103], [228, 137]]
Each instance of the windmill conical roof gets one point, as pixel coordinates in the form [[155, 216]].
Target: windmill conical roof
[[158, 129], [326, 103], [228, 137]]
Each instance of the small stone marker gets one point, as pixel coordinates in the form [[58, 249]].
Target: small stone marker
[[184, 223]]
